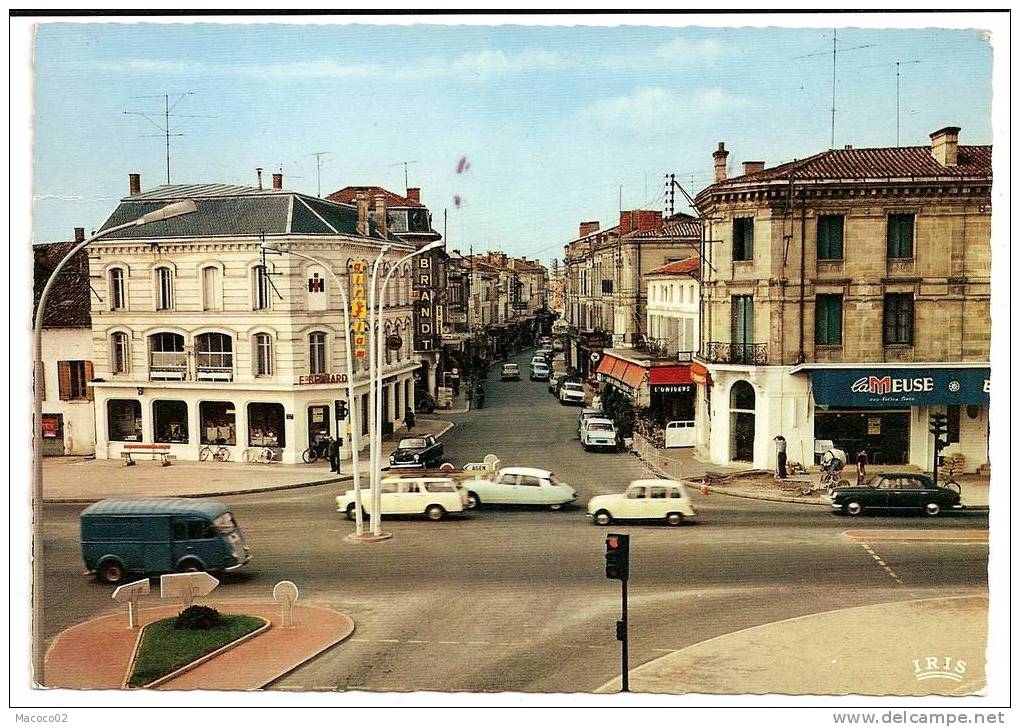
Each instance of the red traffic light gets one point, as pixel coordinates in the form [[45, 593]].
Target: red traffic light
[[613, 542]]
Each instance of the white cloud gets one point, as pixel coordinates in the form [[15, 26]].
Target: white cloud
[[321, 68], [656, 109], [682, 50], [487, 63]]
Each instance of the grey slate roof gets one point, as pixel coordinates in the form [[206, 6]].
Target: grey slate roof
[[228, 210], [70, 303]]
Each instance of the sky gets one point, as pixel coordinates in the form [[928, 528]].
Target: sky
[[552, 121]]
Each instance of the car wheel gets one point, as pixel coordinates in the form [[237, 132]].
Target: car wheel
[[190, 566], [674, 518], [585, 447], [556, 506], [854, 508], [603, 518], [473, 501], [351, 511], [111, 572], [932, 509], [435, 512]]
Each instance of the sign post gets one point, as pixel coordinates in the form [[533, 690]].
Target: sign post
[[186, 586], [285, 593], [129, 593]]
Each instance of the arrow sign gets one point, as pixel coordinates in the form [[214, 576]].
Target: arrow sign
[[186, 586], [129, 593]]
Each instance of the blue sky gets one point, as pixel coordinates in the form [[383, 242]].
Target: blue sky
[[551, 119]]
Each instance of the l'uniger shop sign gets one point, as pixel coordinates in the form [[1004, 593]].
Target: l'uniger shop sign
[[904, 387]]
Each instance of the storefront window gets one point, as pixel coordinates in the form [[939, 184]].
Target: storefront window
[[124, 420], [170, 422], [266, 425], [217, 422], [318, 424]]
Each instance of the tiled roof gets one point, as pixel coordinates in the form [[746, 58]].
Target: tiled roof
[[348, 195], [69, 304], [878, 163], [687, 266], [678, 225]]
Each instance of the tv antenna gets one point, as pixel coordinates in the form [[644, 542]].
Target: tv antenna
[[897, 64], [318, 170], [835, 50], [164, 128], [410, 161]]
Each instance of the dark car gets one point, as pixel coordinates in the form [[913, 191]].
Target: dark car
[[896, 492], [417, 452]]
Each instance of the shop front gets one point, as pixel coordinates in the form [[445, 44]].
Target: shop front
[[664, 388]]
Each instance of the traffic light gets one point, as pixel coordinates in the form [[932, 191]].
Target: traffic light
[[938, 424], [340, 405], [617, 556]]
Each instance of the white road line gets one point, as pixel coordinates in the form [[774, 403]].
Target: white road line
[[878, 559], [412, 641]]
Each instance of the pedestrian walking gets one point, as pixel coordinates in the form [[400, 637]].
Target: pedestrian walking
[[409, 419], [862, 465], [334, 455], [780, 441]]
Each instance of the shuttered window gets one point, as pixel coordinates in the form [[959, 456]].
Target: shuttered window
[[73, 379], [900, 236], [830, 237], [898, 323], [743, 238], [829, 320]]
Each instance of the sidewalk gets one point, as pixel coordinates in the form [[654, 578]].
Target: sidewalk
[[82, 480], [97, 654], [863, 650]]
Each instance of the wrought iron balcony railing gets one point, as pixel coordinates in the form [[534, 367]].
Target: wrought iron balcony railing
[[748, 354], [654, 346]]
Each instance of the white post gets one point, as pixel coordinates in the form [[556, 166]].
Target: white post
[[374, 394]]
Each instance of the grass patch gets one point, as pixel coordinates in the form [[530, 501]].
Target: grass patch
[[165, 649]]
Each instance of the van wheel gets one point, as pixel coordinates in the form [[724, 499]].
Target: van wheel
[[190, 566], [674, 518], [350, 511], [111, 572], [434, 512], [603, 518]]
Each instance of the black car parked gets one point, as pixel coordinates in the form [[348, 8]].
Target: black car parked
[[896, 492]]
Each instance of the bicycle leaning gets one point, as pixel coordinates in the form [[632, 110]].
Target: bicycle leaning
[[319, 450], [221, 453], [253, 455]]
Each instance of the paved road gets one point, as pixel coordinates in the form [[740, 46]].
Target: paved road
[[517, 599]]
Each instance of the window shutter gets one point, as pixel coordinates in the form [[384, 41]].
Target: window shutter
[[89, 394], [64, 380]]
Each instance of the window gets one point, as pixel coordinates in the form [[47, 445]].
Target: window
[[636, 493], [216, 423], [830, 237], [658, 493], [210, 288], [900, 236], [200, 530], [529, 481], [953, 423], [73, 378], [119, 353], [829, 320], [214, 356], [266, 425], [743, 238], [260, 288], [170, 422], [124, 420], [898, 319], [117, 296], [164, 289], [167, 359], [263, 354], [317, 353], [607, 286]]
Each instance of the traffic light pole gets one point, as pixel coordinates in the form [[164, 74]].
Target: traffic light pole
[[625, 678]]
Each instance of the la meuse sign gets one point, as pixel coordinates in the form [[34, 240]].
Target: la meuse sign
[[886, 387]]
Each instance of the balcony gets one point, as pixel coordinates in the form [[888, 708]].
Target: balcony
[[745, 354], [168, 365], [655, 347]]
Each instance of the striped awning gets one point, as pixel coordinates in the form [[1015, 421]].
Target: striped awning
[[627, 373]]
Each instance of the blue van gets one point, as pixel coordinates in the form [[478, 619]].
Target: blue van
[[159, 535]]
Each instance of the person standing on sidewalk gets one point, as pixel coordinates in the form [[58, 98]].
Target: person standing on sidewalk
[[409, 419], [334, 455], [780, 441], [862, 465]]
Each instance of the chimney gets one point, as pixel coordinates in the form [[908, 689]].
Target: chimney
[[587, 228], [944, 145], [278, 180], [719, 156], [380, 214], [79, 234], [752, 167], [134, 184], [361, 199], [258, 170], [414, 194]]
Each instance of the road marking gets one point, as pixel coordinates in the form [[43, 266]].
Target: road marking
[[412, 641], [449, 642], [888, 570]]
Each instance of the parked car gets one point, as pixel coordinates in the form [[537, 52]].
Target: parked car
[[510, 372], [896, 492], [433, 497], [572, 392], [587, 413], [415, 452], [664, 500], [554, 379], [539, 371], [599, 432], [557, 345], [544, 341], [424, 401], [159, 535], [520, 486]]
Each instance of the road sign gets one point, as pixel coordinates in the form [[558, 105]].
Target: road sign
[[595, 357], [186, 586], [129, 593], [285, 593]]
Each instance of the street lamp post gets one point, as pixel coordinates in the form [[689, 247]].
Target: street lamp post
[[355, 441], [176, 209], [373, 417]]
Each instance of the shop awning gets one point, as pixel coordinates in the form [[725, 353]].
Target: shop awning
[[625, 372], [660, 375], [700, 375], [885, 386]]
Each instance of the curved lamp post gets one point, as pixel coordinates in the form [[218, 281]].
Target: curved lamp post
[[184, 207]]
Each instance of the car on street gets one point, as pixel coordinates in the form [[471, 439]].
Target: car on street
[[544, 341], [599, 432], [557, 345], [539, 371], [661, 500], [417, 452], [554, 379], [572, 392], [433, 497], [587, 413], [520, 486], [510, 372], [894, 492]]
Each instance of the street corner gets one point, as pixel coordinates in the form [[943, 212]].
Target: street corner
[[911, 648]]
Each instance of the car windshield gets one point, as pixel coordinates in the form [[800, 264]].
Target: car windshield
[[510, 367], [600, 427], [225, 522], [571, 386], [416, 443]]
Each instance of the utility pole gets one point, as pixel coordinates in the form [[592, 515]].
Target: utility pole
[[164, 128]]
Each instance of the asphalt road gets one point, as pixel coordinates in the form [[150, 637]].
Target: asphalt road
[[517, 600]]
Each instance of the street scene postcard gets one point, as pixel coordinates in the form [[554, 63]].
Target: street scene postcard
[[535, 359]]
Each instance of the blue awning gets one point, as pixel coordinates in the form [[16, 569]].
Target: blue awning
[[880, 386]]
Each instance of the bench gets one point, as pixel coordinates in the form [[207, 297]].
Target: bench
[[155, 450]]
